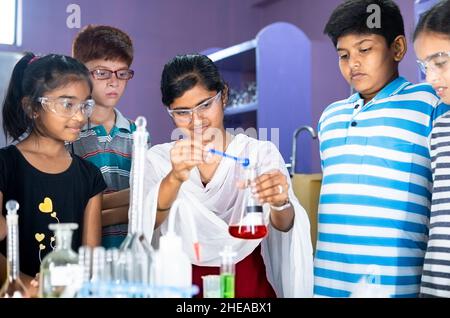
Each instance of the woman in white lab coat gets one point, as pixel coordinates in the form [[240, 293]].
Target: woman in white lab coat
[[279, 265]]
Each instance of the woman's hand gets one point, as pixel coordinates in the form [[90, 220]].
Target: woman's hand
[[185, 155], [271, 187]]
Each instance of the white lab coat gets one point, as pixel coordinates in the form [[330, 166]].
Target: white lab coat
[[288, 257]]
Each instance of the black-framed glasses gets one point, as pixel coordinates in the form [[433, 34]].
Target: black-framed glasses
[[184, 115], [438, 63], [67, 107], [103, 74]]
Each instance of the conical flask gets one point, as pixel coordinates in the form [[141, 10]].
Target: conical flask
[[135, 241], [247, 220], [13, 286]]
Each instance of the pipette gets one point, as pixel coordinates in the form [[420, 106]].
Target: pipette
[[245, 162]]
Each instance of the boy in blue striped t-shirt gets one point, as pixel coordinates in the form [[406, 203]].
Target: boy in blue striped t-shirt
[[376, 190], [107, 139]]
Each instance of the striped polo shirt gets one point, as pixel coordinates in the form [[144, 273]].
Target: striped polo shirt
[[376, 190], [436, 268], [112, 154]]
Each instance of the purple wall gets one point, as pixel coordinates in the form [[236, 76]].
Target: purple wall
[[161, 29], [408, 67]]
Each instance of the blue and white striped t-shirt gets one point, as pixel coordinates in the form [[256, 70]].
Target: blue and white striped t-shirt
[[375, 197]]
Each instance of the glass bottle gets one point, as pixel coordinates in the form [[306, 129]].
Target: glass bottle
[[135, 241], [99, 275], [61, 274], [85, 262], [13, 286], [112, 261], [227, 273], [98, 265], [247, 222]]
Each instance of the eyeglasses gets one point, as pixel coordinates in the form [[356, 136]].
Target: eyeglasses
[[438, 63], [101, 74], [184, 115], [67, 107]]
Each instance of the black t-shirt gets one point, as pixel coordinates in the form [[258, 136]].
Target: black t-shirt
[[45, 198]]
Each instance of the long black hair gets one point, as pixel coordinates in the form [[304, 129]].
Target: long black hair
[[183, 72], [32, 78], [437, 20]]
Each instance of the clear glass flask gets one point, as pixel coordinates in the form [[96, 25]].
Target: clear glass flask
[[13, 286], [60, 274], [247, 220], [135, 241]]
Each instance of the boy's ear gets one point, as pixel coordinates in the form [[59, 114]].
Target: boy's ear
[[28, 109], [399, 48]]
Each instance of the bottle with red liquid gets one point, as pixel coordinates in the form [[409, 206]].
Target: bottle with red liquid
[[248, 221]]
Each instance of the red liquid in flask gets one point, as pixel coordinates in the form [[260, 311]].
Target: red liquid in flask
[[248, 231]]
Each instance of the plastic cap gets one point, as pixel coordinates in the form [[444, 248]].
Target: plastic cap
[[246, 162], [141, 123], [11, 217], [12, 206]]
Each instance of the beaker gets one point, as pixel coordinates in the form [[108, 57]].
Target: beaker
[[247, 219], [211, 286]]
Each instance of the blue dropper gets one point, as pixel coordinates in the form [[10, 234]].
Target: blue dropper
[[245, 162]]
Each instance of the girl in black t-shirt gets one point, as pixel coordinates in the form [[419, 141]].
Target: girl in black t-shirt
[[47, 103]]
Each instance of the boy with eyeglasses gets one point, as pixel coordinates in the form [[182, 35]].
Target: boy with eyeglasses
[[376, 191], [106, 140]]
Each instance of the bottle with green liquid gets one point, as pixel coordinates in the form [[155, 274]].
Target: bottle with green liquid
[[227, 273]]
